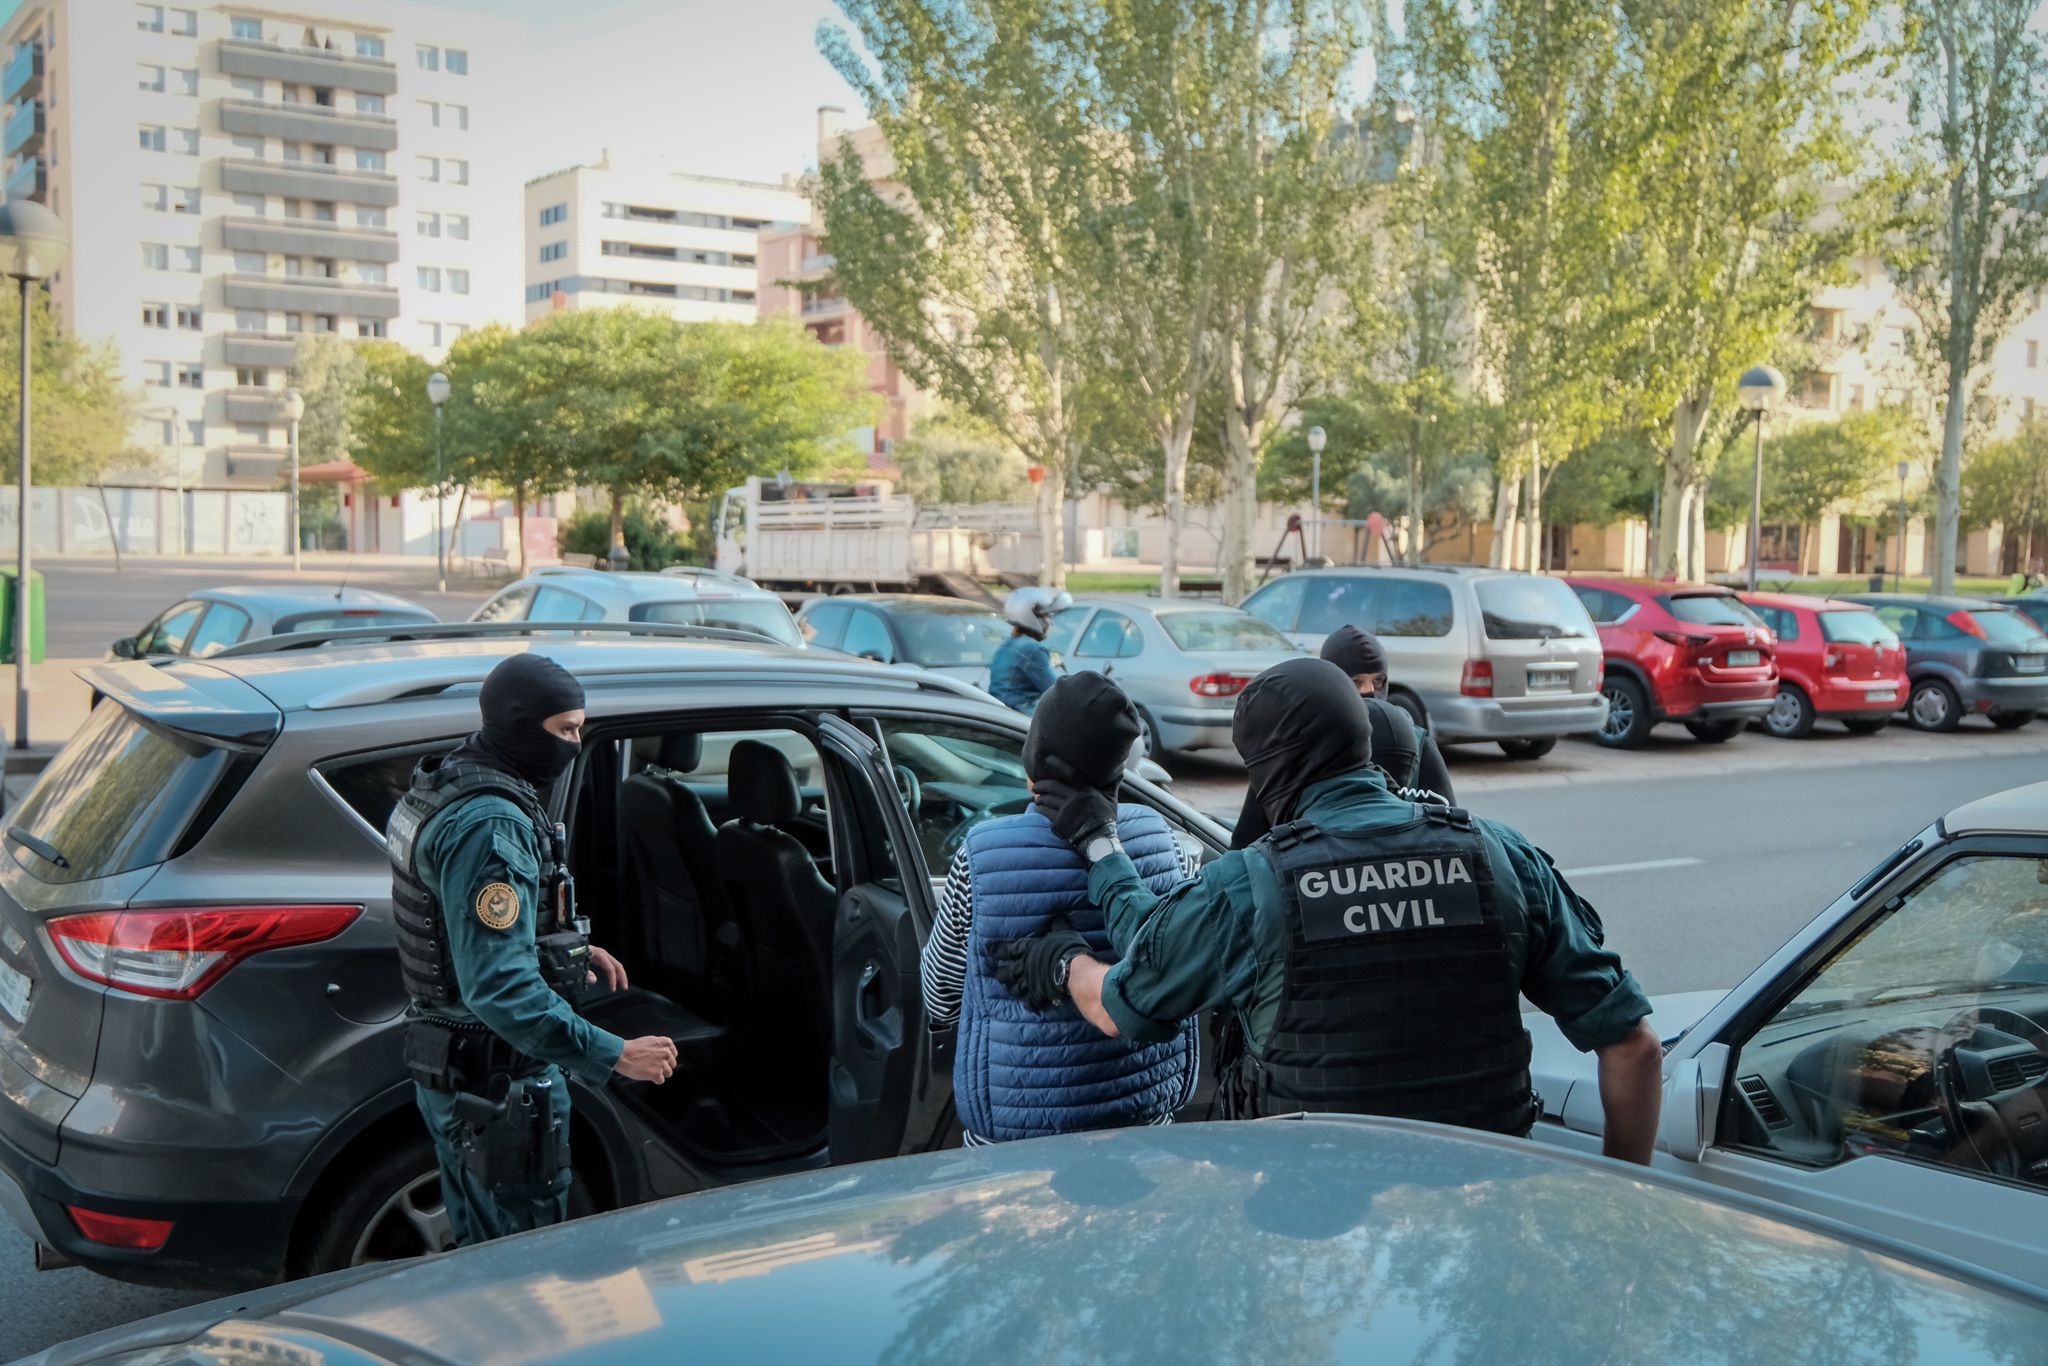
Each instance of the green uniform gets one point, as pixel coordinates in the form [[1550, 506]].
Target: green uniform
[[1222, 938], [467, 855]]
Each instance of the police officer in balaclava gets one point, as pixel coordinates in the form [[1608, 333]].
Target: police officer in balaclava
[[494, 957]]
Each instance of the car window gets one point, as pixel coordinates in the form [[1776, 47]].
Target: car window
[[824, 623], [1278, 604], [1411, 608], [223, 625], [509, 605], [118, 797], [168, 635], [1934, 626], [1921, 1039], [1783, 621], [1602, 606], [1903, 621], [348, 620], [939, 638], [1708, 609], [1526, 607], [1059, 636], [552, 604], [1112, 635], [372, 786], [958, 776], [1856, 628], [1221, 629], [1332, 600], [867, 635], [2001, 627], [762, 616]]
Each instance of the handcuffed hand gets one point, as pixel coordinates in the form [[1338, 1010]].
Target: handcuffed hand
[[1029, 969]]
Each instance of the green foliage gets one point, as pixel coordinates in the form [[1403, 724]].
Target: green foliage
[[390, 419], [950, 458], [2007, 483], [329, 372], [1611, 479], [1819, 465], [649, 540], [80, 409]]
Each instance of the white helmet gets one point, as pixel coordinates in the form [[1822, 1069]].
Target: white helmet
[[1032, 608]]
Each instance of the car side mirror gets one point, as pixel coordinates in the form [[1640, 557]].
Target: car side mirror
[[1692, 1103], [127, 647]]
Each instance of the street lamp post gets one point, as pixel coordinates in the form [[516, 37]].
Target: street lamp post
[[1899, 550], [1317, 439], [1760, 389], [437, 394], [33, 246], [294, 409]]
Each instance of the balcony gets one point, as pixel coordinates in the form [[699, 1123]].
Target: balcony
[[24, 78], [309, 237], [257, 462], [823, 305], [309, 123], [273, 349], [308, 180], [30, 179], [254, 403], [24, 130], [308, 66], [818, 265], [310, 294]]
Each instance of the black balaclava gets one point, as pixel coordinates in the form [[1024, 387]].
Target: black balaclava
[[1396, 751], [1087, 721], [518, 695], [1298, 723], [1355, 652]]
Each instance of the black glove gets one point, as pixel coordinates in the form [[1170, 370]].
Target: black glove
[[1029, 969], [1078, 811]]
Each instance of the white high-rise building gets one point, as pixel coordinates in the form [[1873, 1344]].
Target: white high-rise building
[[602, 235], [236, 176]]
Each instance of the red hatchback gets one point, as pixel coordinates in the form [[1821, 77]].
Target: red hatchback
[[1687, 652], [1836, 661]]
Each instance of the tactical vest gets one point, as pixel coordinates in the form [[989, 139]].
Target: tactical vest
[[1400, 997], [424, 959], [1019, 1074]]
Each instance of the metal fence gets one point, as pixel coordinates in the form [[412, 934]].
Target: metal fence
[[149, 521]]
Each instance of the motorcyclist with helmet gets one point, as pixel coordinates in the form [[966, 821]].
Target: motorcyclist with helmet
[[1021, 670]]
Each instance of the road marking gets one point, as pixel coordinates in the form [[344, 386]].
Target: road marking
[[1600, 870]]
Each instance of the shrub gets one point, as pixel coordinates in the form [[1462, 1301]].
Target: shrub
[[650, 543]]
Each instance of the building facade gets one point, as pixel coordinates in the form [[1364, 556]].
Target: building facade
[[236, 177], [601, 235]]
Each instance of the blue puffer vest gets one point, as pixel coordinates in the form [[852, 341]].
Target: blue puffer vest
[[1021, 1075]]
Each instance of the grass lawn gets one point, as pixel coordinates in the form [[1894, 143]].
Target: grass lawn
[[1112, 583], [1969, 588]]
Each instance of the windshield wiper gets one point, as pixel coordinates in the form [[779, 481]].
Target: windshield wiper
[[43, 849], [1914, 991]]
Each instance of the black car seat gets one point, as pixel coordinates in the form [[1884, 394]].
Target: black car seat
[[669, 848], [783, 906]]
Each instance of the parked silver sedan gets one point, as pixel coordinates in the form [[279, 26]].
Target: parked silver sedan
[[1183, 661]]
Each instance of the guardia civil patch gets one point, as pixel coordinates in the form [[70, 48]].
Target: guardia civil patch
[[497, 905]]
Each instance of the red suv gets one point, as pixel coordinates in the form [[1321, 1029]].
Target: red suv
[[1835, 660], [1688, 652]]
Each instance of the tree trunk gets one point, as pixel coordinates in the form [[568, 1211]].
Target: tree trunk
[[113, 527], [1948, 480], [1417, 528], [519, 514], [1535, 517], [455, 526], [1240, 507], [1052, 496], [1174, 446], [1696, 561], [618, 518], [1507, 499]]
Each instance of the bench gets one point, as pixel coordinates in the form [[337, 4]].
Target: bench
[[576, 561], [495, 562]]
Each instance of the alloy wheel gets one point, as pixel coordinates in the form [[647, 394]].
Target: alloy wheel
[[1930, 708], [1621, 713], [412, 1222]]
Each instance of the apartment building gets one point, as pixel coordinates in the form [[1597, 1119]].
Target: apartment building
[[236, 176], [601, 235]]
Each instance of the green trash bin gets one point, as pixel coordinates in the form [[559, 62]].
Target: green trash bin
[[9, 574]]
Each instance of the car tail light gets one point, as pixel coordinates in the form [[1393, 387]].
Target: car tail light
[[120, 1230], [177, 954], [1219, 685], [1477, 680], [1967, 624], [1682, 638]]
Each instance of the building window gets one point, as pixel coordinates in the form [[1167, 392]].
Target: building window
[[156, 315], [2027, 410], [430, 334], [250, 435], [247, 144], [458, 62], [187, 141], [150, 78], [367, 217], [156, 374], [458, 282], [185, 79], [250, 262], [369, 45], [188, 260], [373, 272], [458, 226], [554, 251], [192, 318], [429, 225], [184, 22], [458, 117], [254, 204], [325, 212], [156, 256], [149, 18], [195, 431], [249, 87], [458, 171], [553, 213], [151, 137], [369, 104], [157, 197], [252, 376], [241, 26], [431, 112], [367, 160], [295, 322], [192, 375], [185, 199], [429, 58], [250, 320], [371, 327], [430, 168], [430, 279], [2033, 355]]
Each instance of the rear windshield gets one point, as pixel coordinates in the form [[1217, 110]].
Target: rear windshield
[[1221, 630], [763, 616], [2007, 628], [1856, 628], [342, 621], [115, 799], [1710, 609], [1532, 608], [935, 639]]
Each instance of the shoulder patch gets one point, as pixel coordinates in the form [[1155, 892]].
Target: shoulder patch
[[497, 905]]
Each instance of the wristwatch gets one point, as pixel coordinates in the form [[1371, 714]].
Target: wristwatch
[[1060, 969], [1101, 845]]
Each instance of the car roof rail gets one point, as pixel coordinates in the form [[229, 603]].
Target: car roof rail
[[549, 571], [703, 571], [488, 630]]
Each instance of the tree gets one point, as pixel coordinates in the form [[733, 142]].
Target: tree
[[1975, 244], [329, 372], [80, 410], [950, 458], [1820, 465], [390, 418], [964, 265], [2006, 484]]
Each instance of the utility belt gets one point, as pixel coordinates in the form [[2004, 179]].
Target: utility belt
[[504, 1098], [461, 1055]]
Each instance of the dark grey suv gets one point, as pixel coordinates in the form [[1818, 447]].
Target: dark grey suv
[[1966, 655], [200, 1079]]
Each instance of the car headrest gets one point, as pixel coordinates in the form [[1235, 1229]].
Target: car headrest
[[762, 784], [681, 751]]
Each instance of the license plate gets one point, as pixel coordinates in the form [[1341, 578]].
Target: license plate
[[13, 993], [1549, 680], [2029, 664], [1884, 695], [1745, 659]]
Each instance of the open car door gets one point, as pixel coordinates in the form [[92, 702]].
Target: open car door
[[887, 1095]]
